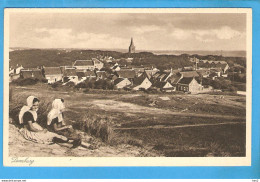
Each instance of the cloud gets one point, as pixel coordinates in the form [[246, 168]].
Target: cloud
[[223, 33], [145, 29], [65, 38], [226, 33]]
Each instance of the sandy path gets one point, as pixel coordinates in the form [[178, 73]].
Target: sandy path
[[179, 126], [119, 106]]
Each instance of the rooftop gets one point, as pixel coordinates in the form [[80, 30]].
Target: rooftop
[[52, 71], [84, 63]]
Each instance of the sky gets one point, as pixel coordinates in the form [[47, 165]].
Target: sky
[[150, 31]]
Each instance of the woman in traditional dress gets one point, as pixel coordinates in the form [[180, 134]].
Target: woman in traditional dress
[[31, 130], [58, 125]]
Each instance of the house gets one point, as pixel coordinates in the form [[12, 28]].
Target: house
[[224, 67], [53, 74], [14, 72], [101, 75], [15, 69], [126, 73], [164, 76], [112, 77], [70, 75], [129, 60], [164, 86], [141, 82], [121, 83], [84, 65], [174, 79], [138, 70], [84, 75], [189, 84], [31, 73], [13, 77], [97, 64], [203, 72], [116, 67], [81, 76], [214, 64], [188, 68], [149, 73], [189, 74], [218, 71]]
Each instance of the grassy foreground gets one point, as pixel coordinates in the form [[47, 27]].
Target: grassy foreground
[[170, 125]]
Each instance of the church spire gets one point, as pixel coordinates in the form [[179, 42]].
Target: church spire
[[131, 47]]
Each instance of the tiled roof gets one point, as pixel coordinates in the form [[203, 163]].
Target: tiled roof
[[70, 72], [203, 72], [52, 71], [150, 73], [174, 78], [29, 73], [189, 74], [90, 74], [139, 80], [83, 63], [126, 73], [185, 80]]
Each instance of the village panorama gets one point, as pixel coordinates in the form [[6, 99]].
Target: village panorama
[[132, 103]]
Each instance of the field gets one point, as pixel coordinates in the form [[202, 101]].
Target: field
[[164, 124]]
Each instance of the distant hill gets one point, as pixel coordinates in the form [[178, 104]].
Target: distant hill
[[60, 57]]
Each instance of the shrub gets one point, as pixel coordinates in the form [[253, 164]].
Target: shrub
[[26, 81], [56, 84], [97, 126], [70, 84]]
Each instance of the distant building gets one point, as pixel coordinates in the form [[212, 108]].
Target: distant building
[[97, 64], [88, 64], [164, 86], [189, 84], [141, 82], [189, 74], [131, 47], [84, 65], [15, 69], [70, 74], [101, 75], [53, 74], [14, 72], [31, 73], [86, 75], [121, 83], [126, 73]]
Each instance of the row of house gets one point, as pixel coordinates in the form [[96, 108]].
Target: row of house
[[171, 81], [214, 67], [135, 78]]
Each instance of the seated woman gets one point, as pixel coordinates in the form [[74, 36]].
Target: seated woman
[[57, 124], [31, 129]]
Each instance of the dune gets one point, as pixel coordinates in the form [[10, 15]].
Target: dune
[[19, 147]]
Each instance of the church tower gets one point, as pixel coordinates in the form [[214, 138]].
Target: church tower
[[131, 47]]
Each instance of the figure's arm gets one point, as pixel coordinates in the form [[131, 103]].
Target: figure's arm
[[32, 128], [56, 128]]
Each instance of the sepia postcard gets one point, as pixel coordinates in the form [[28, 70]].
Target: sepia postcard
[[127, 87]]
